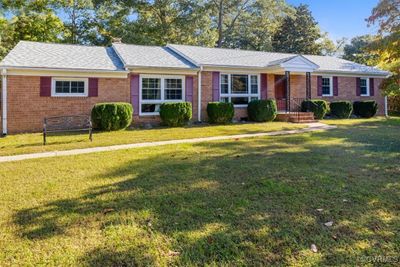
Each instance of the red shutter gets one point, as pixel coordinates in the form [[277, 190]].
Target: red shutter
[[319, 85], [135, 80], [371, 87], [93, 87], [45, 86], [335, 86], [215, 86], [189, 89], [358, 88], [264, 86]]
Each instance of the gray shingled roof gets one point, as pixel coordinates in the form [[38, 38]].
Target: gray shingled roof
[[115, 58], [62, 56], [151, 56], [257, 59]]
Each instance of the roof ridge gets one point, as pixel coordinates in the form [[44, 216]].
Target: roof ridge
[[65, 44]]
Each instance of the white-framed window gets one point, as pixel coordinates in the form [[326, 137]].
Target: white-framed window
[[327, 86], [157, 89], [239, 89], [364, 86], [69, 87]]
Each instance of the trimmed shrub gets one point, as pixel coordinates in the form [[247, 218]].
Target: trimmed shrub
[[112, 116], [365, 109], [220, 112], [318, 106], [262, 110], [341, 109], [176, 114]]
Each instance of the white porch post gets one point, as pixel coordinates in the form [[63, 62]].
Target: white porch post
[[386, 107], [199, 94], [4, 101]]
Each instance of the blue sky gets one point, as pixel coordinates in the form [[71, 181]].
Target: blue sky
[[341, 18]]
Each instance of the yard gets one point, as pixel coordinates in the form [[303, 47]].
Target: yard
[[227, 203], [33, 143]]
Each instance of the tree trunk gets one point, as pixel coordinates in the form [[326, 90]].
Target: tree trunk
[[220, 20]]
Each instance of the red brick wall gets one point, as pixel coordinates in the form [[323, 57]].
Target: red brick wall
[[347, 91], [26, 109]]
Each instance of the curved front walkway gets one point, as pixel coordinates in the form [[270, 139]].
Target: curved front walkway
[[316, 126]]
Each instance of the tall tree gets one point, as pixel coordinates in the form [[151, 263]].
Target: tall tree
[[29, 20], [358, 50], [387, 44], [79, 21], [298, 33], [253, 29]]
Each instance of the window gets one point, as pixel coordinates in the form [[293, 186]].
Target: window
[[69, 87], [155, 90], [327, 86], [364, 86], [239, 89]]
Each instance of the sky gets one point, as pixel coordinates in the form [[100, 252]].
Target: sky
[[341, 18]]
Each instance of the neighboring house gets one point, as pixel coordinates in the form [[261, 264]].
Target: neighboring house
[[42, 79]]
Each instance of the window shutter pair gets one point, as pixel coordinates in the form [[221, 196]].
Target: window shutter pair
[[371, 86], [45, 87], [335, 86]]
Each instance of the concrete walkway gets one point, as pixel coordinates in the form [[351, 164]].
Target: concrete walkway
[[311, 127]]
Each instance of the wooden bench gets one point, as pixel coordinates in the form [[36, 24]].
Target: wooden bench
[[67, 124]]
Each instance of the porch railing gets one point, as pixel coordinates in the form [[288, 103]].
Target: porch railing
[[291, 105]]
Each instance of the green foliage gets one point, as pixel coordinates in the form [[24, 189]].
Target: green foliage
[[318, 106], [365, 109], [262, 110], [358, 50], [341, 109], [112, 116], [220, 112], [298, 34], [176, 114]]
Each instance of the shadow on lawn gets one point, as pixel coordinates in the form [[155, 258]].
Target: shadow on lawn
[[243, 203]]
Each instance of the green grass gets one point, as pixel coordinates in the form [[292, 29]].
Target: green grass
[[232, 203], [33, 143]]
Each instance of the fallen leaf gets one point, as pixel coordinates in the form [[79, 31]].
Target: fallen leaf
[[345, 200], [320, 210], [314, 248], [105, 211], [329, 224], [334, 237], [173, 253]]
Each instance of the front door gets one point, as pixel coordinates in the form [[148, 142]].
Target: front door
[[280, 92]]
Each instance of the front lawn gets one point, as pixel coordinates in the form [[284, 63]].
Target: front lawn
[[33, 143], [227, 203]]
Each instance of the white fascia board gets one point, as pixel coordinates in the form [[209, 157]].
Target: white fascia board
[[351, 74]]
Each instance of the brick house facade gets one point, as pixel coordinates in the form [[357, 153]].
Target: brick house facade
[[25, 106]]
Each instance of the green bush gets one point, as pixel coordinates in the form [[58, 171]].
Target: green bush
[[220, 112], [318, 106], [365, 109], [341, 109], [112, 116], [262, 110], [176, 114]]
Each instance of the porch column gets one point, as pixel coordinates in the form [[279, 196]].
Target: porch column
[[308, 85], [4, 101], [287, 77]]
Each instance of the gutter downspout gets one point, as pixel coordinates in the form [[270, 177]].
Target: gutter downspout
[[4, 101], [386, 107], [199, 94]]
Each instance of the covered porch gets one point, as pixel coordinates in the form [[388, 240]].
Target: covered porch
[[289, 99]]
